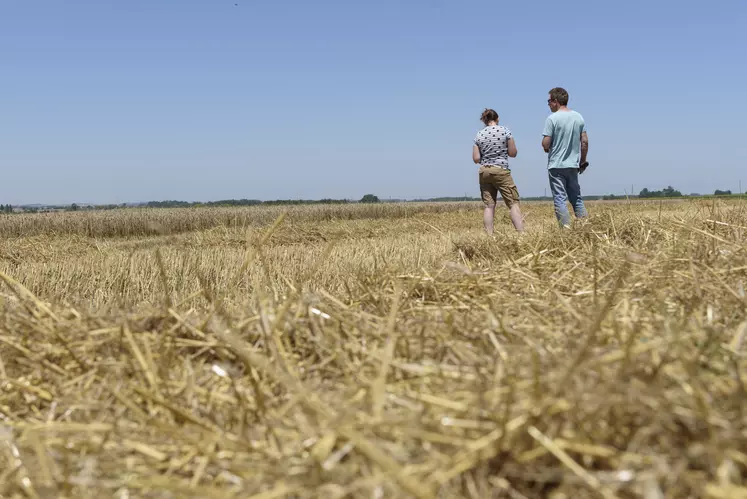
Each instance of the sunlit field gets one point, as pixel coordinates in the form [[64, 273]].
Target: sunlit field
[[377, 351]]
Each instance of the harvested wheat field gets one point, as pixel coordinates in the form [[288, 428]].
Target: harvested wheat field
[[375, 351]]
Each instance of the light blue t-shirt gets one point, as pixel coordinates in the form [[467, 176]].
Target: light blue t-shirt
[[565, 129]]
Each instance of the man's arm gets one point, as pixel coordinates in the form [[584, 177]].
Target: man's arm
[[512, 151], [546, 143], [584, 146], [547, 134], [476, 154]]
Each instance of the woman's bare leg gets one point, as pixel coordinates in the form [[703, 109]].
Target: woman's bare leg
[[487, 218], [515, 212]]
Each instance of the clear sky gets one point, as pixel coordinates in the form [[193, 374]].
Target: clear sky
[[110, 101]]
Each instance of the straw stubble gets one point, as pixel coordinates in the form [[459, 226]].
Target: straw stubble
[[374, 351]]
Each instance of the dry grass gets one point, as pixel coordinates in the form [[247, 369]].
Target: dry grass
[[389, 351], [140, 222]]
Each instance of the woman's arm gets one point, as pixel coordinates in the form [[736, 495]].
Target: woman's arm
[[512, 151], [476, 154]]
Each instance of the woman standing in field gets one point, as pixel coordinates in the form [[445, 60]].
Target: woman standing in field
[[494, 144]]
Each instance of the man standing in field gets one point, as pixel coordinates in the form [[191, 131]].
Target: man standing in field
[[566, 143]]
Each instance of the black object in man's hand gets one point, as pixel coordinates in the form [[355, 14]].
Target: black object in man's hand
[[583, 167]]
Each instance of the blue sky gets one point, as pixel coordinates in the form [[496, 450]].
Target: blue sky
[[108, 101]]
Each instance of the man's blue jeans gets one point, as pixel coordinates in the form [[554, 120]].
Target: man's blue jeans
[[564, 187]]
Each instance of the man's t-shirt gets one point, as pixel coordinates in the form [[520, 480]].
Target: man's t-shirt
[[565, 129], [493, 144]]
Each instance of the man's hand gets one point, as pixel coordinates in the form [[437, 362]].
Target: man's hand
[[584, 165]]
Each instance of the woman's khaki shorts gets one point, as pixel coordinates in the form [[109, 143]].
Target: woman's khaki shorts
[[494, 180]]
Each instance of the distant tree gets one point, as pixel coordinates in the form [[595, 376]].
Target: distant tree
[[722, 193], [369, 198], [669, 192], [74, 207]]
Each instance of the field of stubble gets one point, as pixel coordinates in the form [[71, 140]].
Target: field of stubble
[[375, 351]]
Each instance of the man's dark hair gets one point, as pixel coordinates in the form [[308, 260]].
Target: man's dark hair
[[559, 95], [488, 115]]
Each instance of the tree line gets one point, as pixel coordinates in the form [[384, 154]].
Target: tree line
[[668, 192], [645, 193], [241, 202]]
